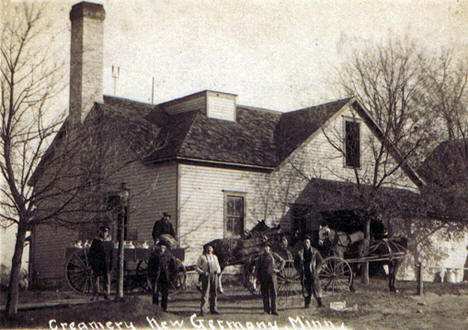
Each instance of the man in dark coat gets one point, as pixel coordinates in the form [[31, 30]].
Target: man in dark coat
[[100, 260], [308, 261], [163, 226], [161, 271], [268, 265]]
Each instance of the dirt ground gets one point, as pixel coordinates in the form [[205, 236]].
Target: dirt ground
[[444, 306]]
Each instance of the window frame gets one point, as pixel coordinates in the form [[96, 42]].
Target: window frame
[[235, 194], [358, 122]]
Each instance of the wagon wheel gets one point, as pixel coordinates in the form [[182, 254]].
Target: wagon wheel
[[78, 272], [335, 274], [289, 284], [142, 276]]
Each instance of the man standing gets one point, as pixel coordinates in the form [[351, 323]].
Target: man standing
[[161, 268], [268, 265], [100, 259], [209, 269], [309, 261], [163, 226], [284, 251]]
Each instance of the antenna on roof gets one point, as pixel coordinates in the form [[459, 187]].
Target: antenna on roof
[[115, 76], [152, 90]]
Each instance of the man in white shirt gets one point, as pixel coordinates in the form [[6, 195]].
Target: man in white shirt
[[209, 269]]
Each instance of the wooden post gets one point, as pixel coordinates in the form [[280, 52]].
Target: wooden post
[[121, 219], [366, 242], [419, 278], [123, 200]]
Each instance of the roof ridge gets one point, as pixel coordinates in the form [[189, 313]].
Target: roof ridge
[[344, 100], [249, 107], [128, 100]]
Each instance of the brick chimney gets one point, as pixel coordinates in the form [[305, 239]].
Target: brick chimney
[[86, 58]]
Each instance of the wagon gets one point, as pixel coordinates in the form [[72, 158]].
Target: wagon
[[336, 273], [79, 276]]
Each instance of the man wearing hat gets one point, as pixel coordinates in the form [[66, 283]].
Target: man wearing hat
[[209, 269], [163, 226], [268, 265], [308, 260], [100, 260], [161, 270]]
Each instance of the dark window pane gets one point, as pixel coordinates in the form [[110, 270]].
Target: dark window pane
[[234, 215], [352, 144]]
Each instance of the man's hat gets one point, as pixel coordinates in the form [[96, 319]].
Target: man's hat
[[165, 214], [104, 228]]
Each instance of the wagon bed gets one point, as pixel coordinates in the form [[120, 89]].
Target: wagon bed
[[79, 276]]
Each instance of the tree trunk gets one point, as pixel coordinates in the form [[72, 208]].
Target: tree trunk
[[366, 243], [13, 287]]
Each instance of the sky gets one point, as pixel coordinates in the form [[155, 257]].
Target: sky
[[279, 55]]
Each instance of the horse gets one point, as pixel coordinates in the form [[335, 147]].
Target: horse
[[235, 251], [241, 251], [340, 241], [175, 270], [392, 251], [261, 229]]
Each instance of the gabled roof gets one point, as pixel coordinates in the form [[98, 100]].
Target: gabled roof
[[258, 138], [296, 126], [447, 163]]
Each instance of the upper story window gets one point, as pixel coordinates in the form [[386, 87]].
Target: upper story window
[[234, 206], [352, 143]]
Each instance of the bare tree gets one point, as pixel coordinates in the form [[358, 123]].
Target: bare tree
[[28, 81], [446, 93], [388, 80], [53, 170], [417, 100]]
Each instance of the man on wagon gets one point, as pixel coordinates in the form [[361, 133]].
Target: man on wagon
[[308, 261], [100, 259], [162, 228], [161, 269]]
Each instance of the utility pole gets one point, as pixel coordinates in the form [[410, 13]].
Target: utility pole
[[115, 76]]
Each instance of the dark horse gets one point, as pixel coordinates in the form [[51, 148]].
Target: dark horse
[[241, 251], [391, 251]]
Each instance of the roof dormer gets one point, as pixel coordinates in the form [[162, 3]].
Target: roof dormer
[[213, 104]]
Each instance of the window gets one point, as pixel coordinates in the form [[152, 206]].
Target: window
[[352, 144], [234, 215]]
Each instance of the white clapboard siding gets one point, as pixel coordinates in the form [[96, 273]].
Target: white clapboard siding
[[152, 192], [319, 159], [49, 244], [201, 203], [221, 106], [191, 104]]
